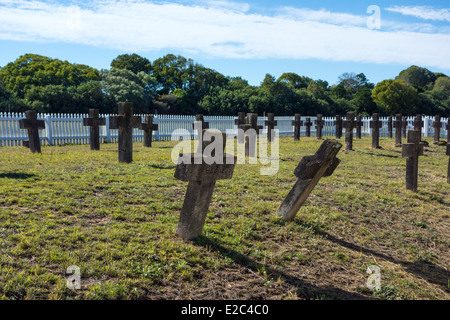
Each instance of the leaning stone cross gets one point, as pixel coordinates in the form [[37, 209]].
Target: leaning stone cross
[[148, 126], [32, 125], [319, 125], [412, 150], [297, 123], [398, 125], [375, 125], [437, 129], [270, 124], [308, 125], [348, 124], [201, 171], [125, 122], [94, 133], [338, 125], [309, 171]]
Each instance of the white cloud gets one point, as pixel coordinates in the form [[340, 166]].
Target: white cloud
[[215, 30], [423, 12]]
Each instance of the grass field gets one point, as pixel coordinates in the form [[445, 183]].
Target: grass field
[[116, 222]]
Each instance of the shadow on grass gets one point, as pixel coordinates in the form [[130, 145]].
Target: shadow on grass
[[16, 175], [422, 268], [304, 290], [162, 167], [379, 154]]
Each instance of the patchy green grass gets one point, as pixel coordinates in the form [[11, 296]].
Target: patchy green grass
[[116, 222]]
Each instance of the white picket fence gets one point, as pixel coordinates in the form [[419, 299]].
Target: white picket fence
[[69, 129]]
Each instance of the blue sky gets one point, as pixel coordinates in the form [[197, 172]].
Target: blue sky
[[319, 39]]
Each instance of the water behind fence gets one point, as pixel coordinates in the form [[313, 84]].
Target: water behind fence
[[69, 129]]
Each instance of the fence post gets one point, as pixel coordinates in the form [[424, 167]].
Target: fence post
[[155, 121], [48, 129]]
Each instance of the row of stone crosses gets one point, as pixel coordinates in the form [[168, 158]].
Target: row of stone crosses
[[202, 175]]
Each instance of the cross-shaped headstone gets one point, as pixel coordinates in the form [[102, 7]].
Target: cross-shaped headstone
[[309, 171], [338, 126], [125, 122], [375, 125], [297, 123], [94, 133], [308, 125], [389, 125], [404, 126], [202, 175], [251, 123], [319, 125], [447, 126], [32, 125], [240, 121], [148, 126], [437, 129], [270, 124], [398, 125], [412, 150], [418, 123], [358, 124], [348, 124]]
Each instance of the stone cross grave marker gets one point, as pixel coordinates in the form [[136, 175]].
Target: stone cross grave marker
[[418, 123], [308, 125], [94, 133], [358, 125], [375, 125], [297, 123], [412, 150], [398, 125], [348, 124], [125, 122], [319, 125], [250, 136], [240, 121], [448, 168], [338, 126], [32, 125], [389, 123], [437, 129], [201, 175], [309, 171], [204, 125], [148, 127], [270, 124]]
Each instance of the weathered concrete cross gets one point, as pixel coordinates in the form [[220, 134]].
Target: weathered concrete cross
[[404, 127], [309, 171], [338, 126], [202, 175], [148, 126], [270, 124], [32, 125], [239, 122], [389, 123], [308, 125], [94, 133], [398, 125], [437, 129], [375, 125], [125, 122], [348, 124], [297, 123], [412, 150], [319, 125], [358, 124], [250, 130], [418, 123]]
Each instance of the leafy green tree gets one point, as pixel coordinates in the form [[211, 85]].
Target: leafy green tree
[[396, 96], [418, 77], [294, 80], [133, 62]]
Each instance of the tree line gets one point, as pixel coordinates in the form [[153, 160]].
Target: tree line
[[176, 85]]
